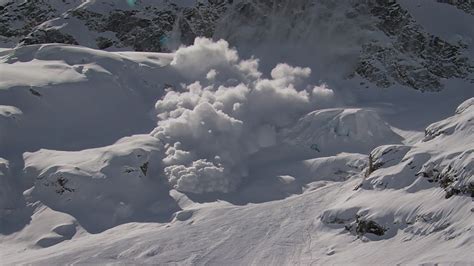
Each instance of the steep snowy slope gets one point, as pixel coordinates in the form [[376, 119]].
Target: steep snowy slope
[[51, 83], [330, 218], [318, 132], [241, 166]]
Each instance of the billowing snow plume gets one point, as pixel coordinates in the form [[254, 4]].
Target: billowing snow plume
[[210, 128]]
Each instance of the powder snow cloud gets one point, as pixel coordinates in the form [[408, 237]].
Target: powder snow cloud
[[212, 125]]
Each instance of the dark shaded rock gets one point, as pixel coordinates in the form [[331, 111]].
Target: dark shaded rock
[[35, 93], [148, 29], [144, 168], [48, 36], [415, 58], [355, 224], [103, 43], [450, 179], [61, 186], [369, 227], [18, 19]]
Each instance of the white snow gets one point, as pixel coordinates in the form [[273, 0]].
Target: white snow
[[204, 156]]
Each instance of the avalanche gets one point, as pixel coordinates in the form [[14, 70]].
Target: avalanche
[[216, 155]]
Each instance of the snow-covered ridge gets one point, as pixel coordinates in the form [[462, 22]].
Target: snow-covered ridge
[[443, 157], [104, 149], [380, 42], [409, 181]]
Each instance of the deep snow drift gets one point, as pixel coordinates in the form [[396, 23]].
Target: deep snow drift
[[198, 157]]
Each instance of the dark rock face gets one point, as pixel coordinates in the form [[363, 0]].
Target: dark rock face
[[48, 36], [143, 29], [104, 43], [369, 227], [130, 29], [415, 58], [450, 179], [148, 29], [18, 19], [412, 57]]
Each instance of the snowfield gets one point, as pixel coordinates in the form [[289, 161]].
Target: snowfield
[[208, 156], [221, 164]]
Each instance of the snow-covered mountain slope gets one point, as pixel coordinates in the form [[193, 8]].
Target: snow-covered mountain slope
[[201, 157], [381, 42], [52, 82], [324, 215], [297, 140], [444, 156]]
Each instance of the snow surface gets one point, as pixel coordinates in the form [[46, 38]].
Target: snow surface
[[204, 156]]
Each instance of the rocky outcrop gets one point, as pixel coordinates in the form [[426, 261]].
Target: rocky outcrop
[[149, 28], [450, 179], [444, 158], [129, 28], [363, 227], [355, 224], [385, 156], [48, 36], [19, 18], [414, 58]]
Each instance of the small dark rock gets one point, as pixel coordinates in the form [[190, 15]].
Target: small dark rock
[[103, 43], [35, 93], [369, 227], [144, 168]]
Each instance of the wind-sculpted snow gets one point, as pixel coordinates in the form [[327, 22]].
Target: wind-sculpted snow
[[347, 129], [57, 96], [444, 157], [440, 167], [118, 183], [128, 157]]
